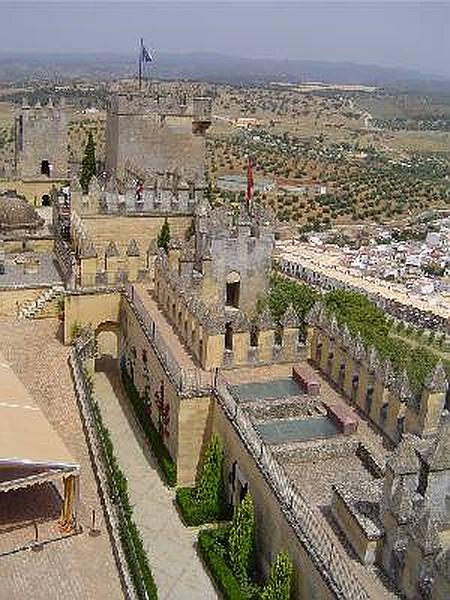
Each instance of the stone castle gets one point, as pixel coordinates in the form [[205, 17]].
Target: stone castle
[[186, 324]]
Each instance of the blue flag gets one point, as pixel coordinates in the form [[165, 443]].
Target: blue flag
[[146, 56]]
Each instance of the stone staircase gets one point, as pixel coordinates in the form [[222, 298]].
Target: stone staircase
[[45, 305]]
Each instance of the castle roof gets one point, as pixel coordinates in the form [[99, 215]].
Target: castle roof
[[404, 459], [438, 456], [425, 531], [16, 213], [133, 248], [111, 249]]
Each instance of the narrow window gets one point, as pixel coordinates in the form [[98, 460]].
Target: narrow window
[[232, 298], [45, 168], [254, 336], [228, 337]]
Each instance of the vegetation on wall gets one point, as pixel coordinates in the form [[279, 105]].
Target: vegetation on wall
[[206, 502], [284, 292], [165, 462], [363, 318]]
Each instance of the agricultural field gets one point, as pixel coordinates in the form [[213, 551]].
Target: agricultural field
[[367, 173]]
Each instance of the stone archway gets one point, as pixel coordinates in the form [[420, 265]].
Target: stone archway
[[107, 338]]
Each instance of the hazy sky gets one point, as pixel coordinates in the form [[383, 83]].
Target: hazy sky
[[406, 34]]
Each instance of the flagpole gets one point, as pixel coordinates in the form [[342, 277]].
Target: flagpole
[[140, 63]]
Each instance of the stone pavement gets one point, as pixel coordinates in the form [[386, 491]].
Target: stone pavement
[[178, 570], [82, 567]]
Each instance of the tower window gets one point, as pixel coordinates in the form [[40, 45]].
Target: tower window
[[228, 337], [233, 294], [45, 168]]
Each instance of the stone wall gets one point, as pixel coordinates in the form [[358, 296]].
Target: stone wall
[[183, 420], [41, 135], [203, 330], [101, 230], [273, 532], [153, 132], [12, 299], [385, 397], [32, 189]]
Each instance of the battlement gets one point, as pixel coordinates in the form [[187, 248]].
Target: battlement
[[199, 109], [221, 224], [37, 112]]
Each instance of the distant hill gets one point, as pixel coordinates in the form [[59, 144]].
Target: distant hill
[[209, 67]]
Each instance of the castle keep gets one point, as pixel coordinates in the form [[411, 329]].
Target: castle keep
[[41, 142], [156, 135]]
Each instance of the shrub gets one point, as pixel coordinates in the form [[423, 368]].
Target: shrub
[[206, 502], [241, 541], [211, 544], [75, 330], [210, 487], [160, 451], [280, 581], [88, 165]]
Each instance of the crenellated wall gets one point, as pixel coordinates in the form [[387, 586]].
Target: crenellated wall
[[384, 397], [202, 328]]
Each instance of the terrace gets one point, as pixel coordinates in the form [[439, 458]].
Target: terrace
[[308, 456]]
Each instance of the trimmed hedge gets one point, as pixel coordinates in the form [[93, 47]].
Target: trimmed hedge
[[132, 544], [165, 462], [195, 513], [212, 546]]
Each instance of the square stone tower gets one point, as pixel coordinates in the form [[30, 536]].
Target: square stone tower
[[41, 142], [158, 135]]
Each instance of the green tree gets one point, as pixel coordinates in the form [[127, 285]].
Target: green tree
[[209, 491], [164, 236], [88, 165], [241, 540], [279, 584]]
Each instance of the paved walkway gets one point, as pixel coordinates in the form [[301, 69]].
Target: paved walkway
[[82, 567], [178, 571]]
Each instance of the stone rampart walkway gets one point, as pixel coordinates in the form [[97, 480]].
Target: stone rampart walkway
[[177, 569]]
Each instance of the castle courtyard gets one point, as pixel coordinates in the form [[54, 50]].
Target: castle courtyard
[[81, 566]]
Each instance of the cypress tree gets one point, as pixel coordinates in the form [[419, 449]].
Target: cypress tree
[[280, 581], [209, 491], [88, 164], [164, 236], [241, 540]]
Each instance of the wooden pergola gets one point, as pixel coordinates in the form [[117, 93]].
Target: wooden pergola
[[31, 451]]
